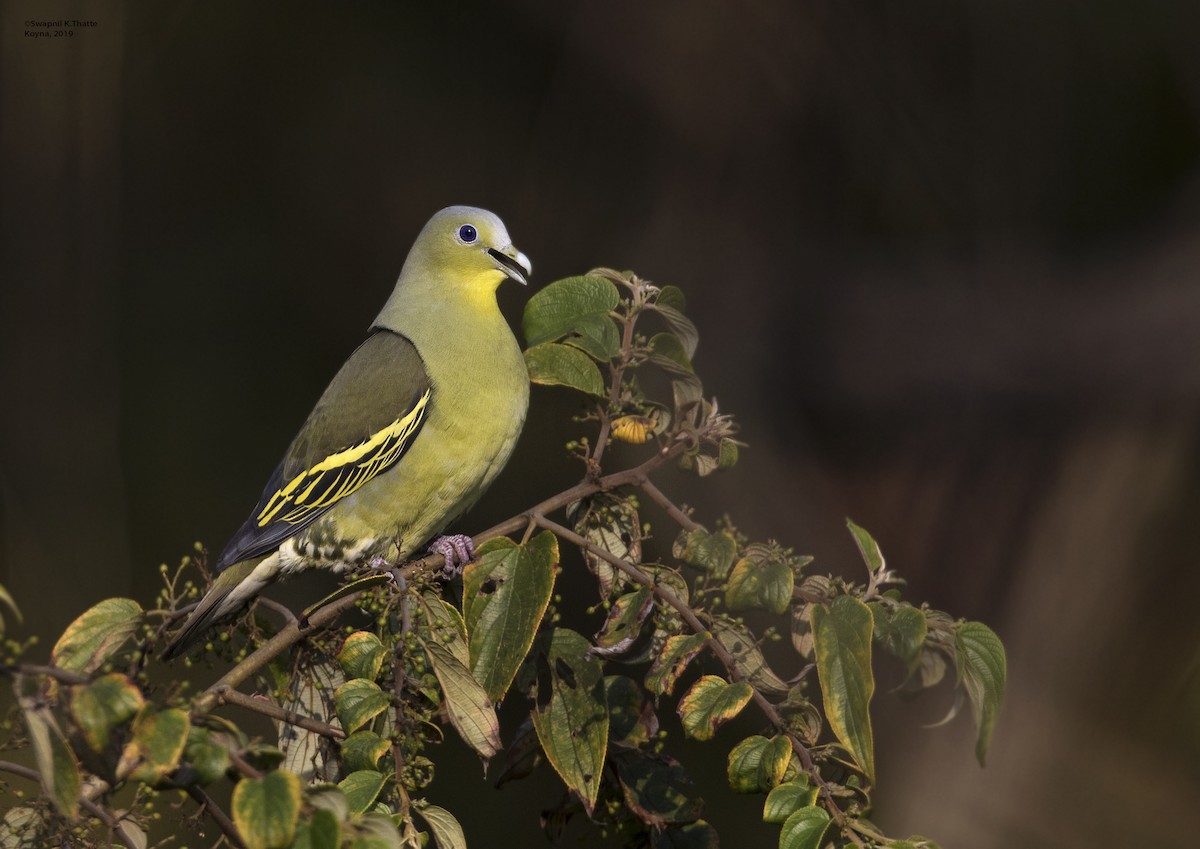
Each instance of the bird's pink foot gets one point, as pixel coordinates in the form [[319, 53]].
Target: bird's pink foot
[[458, 549]]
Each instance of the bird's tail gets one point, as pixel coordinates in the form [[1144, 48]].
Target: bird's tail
[[232, 590]]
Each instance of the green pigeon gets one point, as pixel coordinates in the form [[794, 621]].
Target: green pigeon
[[410, 432]]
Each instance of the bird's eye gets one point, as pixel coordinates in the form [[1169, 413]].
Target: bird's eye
[[467, 234]]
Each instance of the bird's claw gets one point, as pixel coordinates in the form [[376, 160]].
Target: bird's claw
[[457, 549]]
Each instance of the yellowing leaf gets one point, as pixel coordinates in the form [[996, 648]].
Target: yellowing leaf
[[363, 749], [361, 788], [265, 810], [96, 635], [159, 738], [471, 711], [757, 764], [656, 788], [677, 652], [767, 585], [710, 703], [56, 762], [362, 655], [842, 637], [358, 701], [102, 705], [446, 831], [749, 657]]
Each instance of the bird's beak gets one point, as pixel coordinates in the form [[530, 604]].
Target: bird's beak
[[513, 263]]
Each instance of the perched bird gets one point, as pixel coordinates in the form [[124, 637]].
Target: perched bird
[[407, 436]]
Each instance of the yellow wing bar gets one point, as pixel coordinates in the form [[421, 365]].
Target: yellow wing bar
[[342, 473]]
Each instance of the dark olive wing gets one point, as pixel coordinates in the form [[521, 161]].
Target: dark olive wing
[[364, 423]]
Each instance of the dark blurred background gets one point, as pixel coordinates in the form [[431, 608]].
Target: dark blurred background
[[943, 256]]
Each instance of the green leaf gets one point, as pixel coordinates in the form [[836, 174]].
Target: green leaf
[[667, 351], [727, 454], [671, 296], [571, 719], [711, 552], [471, 711], [159, 738], [982, 669], [329, 797], [867, 546], [361, 789], [681, 326], [767, 585], [598, 337], [363, 749], [757, 764], [357, 702], [656, 787], [362, 655], [901, 633], [96, 635], [505, 593], [564, 305], [842, 637], [552, 364], [208, 760], [670, 662], [102, 705], [624, 622], [631, 717], [377, 830], [786, 799], [56, 762], [749, 657], [265, 810], [804, 829], [322, 831], [444, 624], [710, 703], [446, 831]]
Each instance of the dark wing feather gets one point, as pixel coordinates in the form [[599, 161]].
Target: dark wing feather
[[364, 423]]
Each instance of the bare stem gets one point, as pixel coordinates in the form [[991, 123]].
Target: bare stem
[[63, 675], [230, 696], [219, 816], [682, 519]]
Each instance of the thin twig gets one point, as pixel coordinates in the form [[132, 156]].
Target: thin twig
[[228, 695], [63, 675], [243, 766], [276, 607], [98, 811], [219, 816], [658, 497]]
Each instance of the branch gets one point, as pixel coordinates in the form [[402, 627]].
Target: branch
[[219, 816], [110, 821], [228, 695], [682, 519], [63, 675], [714, 645]]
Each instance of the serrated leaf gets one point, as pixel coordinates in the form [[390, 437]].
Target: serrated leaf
[[361, 788], [471, 711], [552, 364], [96, 635], [362, 655], [363, 749], [559, 308], [670, 662], [265, 810], [446, 831], [712, 552], [505, 593], [757, 764], [805, 829], [767, 585], [749, 657], [102, 705], [710, 703], [322, 831], [867, 546], [56, 763], [571, 720], [624, 622], [357, 702], [902, 633], [842, 637], [982, 669], [786, 799], [656, 788], [159, 738]]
